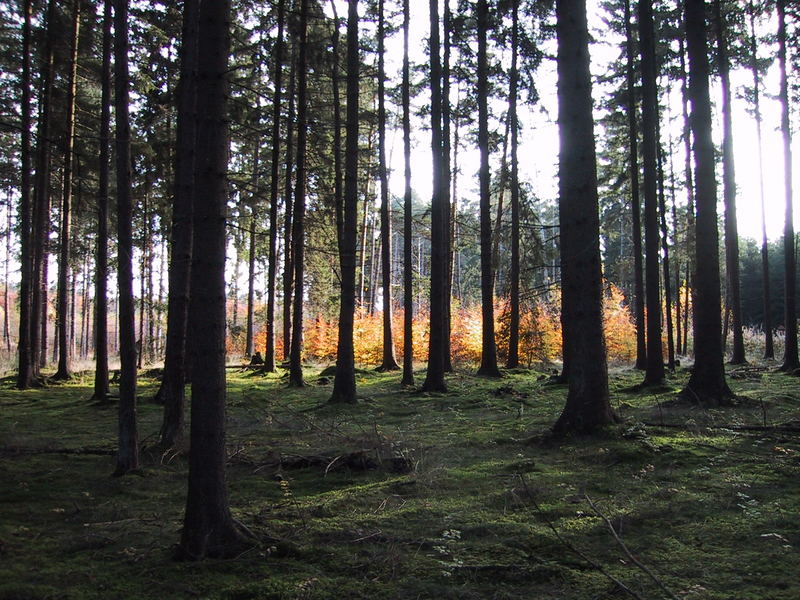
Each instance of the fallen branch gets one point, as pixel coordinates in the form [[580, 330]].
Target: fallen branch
[[568, 545], [622, 545], [367, 537]]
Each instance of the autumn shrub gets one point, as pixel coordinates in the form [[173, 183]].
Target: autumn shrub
[[618, 326], [465, 335], [540, 333]]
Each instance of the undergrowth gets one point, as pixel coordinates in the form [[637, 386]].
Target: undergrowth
[[408, 495]]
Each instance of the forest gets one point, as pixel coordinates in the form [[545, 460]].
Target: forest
[[314, 299]]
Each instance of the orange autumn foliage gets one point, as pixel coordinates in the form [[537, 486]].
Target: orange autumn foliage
[[540, 333], [619, 327]]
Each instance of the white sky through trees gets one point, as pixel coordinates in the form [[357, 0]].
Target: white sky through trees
[[539, 136]]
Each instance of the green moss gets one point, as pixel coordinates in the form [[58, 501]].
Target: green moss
[[709, 509]]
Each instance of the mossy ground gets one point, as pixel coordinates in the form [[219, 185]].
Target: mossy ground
[[711, 510]]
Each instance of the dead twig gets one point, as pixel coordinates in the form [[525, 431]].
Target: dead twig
[[366, 537], [622, 545], [330, 464]]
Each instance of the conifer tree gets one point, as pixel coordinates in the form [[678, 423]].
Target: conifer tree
[[587, 407], [707, 383]]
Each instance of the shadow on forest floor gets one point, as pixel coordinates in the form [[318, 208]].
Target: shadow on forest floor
[[409, 495]]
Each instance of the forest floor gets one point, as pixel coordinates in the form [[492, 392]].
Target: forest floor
[[408, 495]]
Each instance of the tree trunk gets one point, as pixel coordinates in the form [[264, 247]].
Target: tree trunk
[[654, 372], [172, 390], [41, 214], [686, 304], [237, 262], [140, 342], [25, 368], [488, 366], [7, 274], [677, 280], [434, 379], [389, 362], [707, 383], [374, 264], [63, 371], [587, 407], [362, 259], [408, 269], [73, 289], [162, 268], [251, 253], [455, 257], [691, 236], [449, 198], [298, 225], [501, 195], [729, 190], [344, 384], [128, 453], [769, 347], [151, 319], [272, 256], [208, 527], [338, 173], [85, 312], [513, 337], [665, 268], [288, 249], [790, 356], [636, 214]]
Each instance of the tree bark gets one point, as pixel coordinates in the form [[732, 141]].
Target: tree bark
[[665, 264], [636, 210], [587, 407], [25, 368], [128, 452], [251, 251], [677, 263], [344, 383], [172, 391], [691, 237], [434, 379], [288, 209], [298, 225], [143, 273], [363, 282], [513, 337], [707, 383], [654, 372], [790, 356], [449, 196], [208, 527], [769, 347], [64, 254], [729, 191], [408, 269], [338, 172], [41, 209], [389, 362], [488, 366], [272, 256], [7, 275]]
